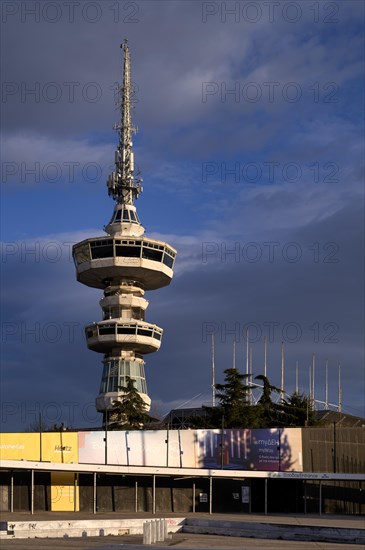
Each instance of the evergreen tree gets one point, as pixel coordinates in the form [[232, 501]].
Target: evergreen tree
[[235, 411], [130, 413], [268, 412], [234, 403], [298, 410]]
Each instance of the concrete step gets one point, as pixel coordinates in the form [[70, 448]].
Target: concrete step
[[275, 531]]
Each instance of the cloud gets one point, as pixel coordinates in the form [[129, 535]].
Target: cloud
[[29, 147]]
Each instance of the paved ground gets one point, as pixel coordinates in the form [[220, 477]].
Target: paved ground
[[181, 541]]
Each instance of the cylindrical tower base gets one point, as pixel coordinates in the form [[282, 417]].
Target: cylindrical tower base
[[117, 369]]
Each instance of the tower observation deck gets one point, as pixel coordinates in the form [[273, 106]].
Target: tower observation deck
[[124, 264]]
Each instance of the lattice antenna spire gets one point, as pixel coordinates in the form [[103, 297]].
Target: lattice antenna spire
[[123, 185]]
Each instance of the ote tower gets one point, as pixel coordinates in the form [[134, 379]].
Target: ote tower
[[124, 264]]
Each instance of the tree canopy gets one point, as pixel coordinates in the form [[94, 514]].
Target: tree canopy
[[235, 409], [298, 410], [131, 412]]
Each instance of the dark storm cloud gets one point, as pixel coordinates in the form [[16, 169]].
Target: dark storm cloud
[[169, 79], [321, 296], [43, 345]]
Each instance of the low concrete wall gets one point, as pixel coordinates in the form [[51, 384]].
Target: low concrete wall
[[82, 528], [118, 527]]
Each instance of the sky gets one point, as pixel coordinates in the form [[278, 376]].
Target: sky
[[250, 144]]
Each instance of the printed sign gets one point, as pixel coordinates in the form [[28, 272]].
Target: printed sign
[[245, 494], [19, 446], [259, 449]]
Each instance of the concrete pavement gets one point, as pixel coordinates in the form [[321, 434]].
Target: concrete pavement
[[181, 541]]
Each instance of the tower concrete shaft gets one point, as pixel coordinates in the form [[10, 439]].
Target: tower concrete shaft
[[124, 264]]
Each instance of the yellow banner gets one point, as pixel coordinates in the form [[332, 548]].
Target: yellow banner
[[19, 446], [60, 447], [64, 492]]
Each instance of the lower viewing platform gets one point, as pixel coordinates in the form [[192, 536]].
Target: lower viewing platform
[[135, 336]]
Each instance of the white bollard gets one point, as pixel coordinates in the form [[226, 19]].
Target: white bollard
[[166, 530], [153, 531], [161, 532], [147, 532]]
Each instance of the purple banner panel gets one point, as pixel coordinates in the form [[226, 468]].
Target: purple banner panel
[[261, 449]]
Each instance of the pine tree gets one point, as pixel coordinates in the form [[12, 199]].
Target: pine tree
[[268, 412], [298, 410], [130, 413], [233, 397]]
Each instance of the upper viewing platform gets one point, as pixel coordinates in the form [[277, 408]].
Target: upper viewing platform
[[101, 260]]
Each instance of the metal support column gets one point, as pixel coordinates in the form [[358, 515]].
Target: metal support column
[[136, 496], [210, 494], [32, 491], [360, 497], [12, 492], [320, 497], [266, 496], [305, 497], [153, 494], [75, 492], [94, 493], [194, 497]]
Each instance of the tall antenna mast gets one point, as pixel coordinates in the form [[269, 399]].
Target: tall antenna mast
[[339, 389], [326, 395], [250, 375], [282, 367], [247, 371], [296, 377], [213, 373], [234, 353], [310, 382], [313, 372], [123, 186], [265, 357]]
